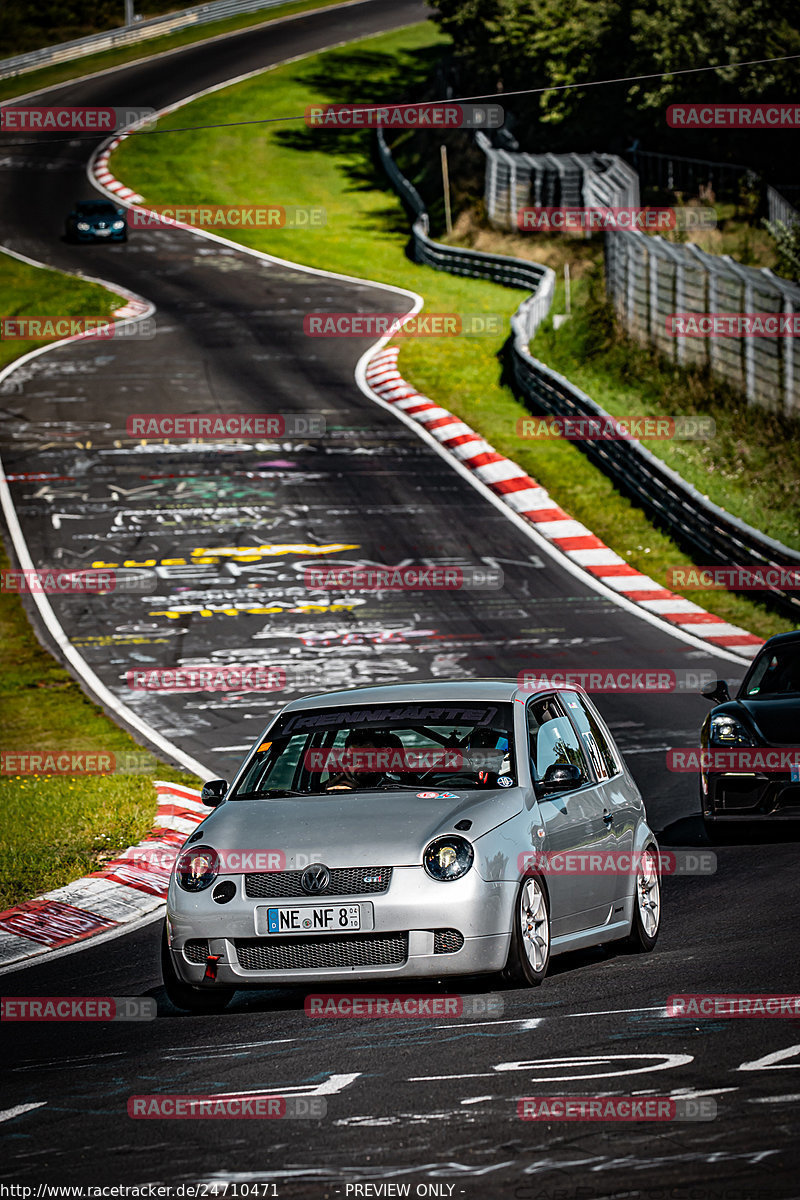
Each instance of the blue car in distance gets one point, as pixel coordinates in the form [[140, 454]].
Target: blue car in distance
[[96, 220]]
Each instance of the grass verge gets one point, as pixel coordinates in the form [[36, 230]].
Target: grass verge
[[54, 829], [366, 235], [40, 292]]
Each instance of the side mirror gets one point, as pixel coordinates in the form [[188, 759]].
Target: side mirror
[[561, 777], [718, 693], [213, 792]]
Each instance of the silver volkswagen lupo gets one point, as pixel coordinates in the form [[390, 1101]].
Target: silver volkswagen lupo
[[421, 830]]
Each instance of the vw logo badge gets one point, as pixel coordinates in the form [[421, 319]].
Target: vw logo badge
[[315, 879]]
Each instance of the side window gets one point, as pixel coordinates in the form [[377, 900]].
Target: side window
[[595, 738], [552, 737]]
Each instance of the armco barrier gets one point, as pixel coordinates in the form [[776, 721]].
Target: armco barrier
[[708, 531], [173, 22], [499, 268]]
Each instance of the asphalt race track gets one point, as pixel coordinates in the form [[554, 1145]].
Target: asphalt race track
[[427, 1103]]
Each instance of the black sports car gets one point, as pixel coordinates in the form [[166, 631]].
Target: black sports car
[[96, 220], [760, 776]]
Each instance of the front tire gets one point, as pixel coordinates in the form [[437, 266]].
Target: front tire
[[529, 952], [646, 905], [183, 995]]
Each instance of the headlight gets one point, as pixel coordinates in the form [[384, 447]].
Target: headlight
[[448, 858], [83, 226], [197, 868], [118, 225], [728, 731]]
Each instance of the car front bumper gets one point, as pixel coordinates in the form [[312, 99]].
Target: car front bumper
[[420, 929], [747, 797]]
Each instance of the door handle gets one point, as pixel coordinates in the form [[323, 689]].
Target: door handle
[[608, 817]]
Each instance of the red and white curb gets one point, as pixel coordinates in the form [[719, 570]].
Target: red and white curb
[[104, 176], [127, 889], [527, 499]]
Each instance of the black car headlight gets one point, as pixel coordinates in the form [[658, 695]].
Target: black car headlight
[[726, 730], [448, 858], [197, 868]]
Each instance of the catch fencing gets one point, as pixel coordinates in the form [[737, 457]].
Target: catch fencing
[[515, 181], [648, 279]]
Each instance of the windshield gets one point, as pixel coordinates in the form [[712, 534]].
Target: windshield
[[384, 747], [96, 208], [776, 673]]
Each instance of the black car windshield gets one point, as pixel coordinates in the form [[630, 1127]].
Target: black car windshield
[[775, 673], [95, 208], [384, 747]]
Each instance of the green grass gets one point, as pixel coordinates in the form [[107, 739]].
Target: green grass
[[34, 81], [366, 235], [56, 828], [39, 292]]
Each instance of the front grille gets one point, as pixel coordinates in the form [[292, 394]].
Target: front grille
[[196, 951], [447, 941], [345, 881], [306, 954]]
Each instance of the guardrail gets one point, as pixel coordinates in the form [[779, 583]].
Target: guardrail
[[714, 536], [203, 14], [499, 268]]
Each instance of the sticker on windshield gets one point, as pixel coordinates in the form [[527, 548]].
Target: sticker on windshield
[[505, 781], [420, 714], [437, 796]]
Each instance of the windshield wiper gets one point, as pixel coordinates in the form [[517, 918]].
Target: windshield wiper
[[266, 795]]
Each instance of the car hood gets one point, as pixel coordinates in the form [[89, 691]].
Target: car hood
[[373, 829], [776, 721]]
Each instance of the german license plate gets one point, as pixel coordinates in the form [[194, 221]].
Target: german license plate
[[795, 772], [331, 918]]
